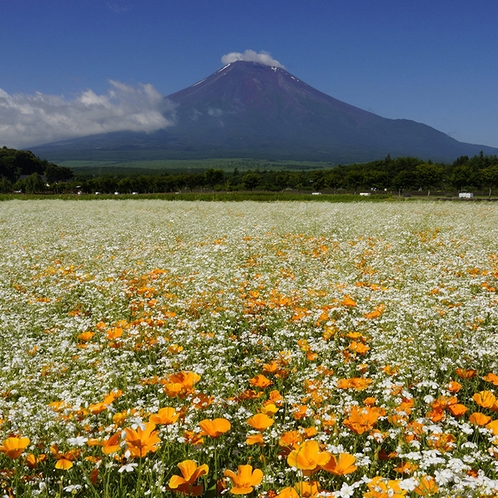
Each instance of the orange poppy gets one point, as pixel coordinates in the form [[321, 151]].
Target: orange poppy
[[255, 439], [214, 428], [244, 480], [406, 468], [290, 439], [493, 427], [357, 383], [302, 489], [186, 482], [111, 444], [454, 386], [63, 464], [307, 456], [341, 465], [165, 416], [14, 446], [486, 399], [260, 422], [142, 441], [493, 378], [260, 381], [457, 410], [479, 418], [348, 301], [361, 420], [181, 383], [465, 374], [427, 487], [269, 408], [379, 487], [32, 460], [193, 438]]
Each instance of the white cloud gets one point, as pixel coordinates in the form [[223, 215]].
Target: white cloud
[[28, 120], [251, 56]]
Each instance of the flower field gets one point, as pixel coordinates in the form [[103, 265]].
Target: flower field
[[152, 348]]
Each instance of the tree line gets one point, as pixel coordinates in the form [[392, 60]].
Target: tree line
[[22, 171]]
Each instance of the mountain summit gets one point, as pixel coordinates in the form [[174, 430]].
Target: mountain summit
[[248, 109]]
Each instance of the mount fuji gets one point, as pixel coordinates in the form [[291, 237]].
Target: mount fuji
[[249, 109]]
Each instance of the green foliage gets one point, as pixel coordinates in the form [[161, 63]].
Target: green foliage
[[25, 170]]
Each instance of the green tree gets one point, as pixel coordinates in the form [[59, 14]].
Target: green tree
[[251, 180], [463, 176], [213, 177], [490, 177], [54, 173], [5, 185], [429, 176], [404, 180], [33, 184]]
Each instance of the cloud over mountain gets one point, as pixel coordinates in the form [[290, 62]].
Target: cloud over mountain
[[27, 120], [251, 56]]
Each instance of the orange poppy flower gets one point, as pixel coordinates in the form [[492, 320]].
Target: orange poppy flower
[[406, 468], [269, 408], [493, 378], [14, 446], [194, 438], [186, 482], [114, 333], [260, 381], [260, 422], [111, 444], [302, 489], [342, 465], [465, 374], [290, 439], [457, 410], [307, 489], [32, 460], [288, 493], [63, 464], [454, 386], [255, 439], [479, 418], [215, 428], [85, 336], [361, 420], [165, 416], [244, 480], [142, 441], [493, 427], [378, 310], [181, 383], [358, 347], [348, 301], [97, 408], [486, 399], [300, 411], [307, 456], [427, 487], [357, 383], [379, 487]]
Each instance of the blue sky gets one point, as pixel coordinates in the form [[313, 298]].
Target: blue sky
[[72, 67]]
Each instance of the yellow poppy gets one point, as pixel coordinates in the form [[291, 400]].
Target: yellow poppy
[[307, 456], [215, 428], [244, 480], [186, 482], [260, 422], [14, 446]]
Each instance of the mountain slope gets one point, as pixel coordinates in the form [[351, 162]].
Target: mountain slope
[[247, 109]]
